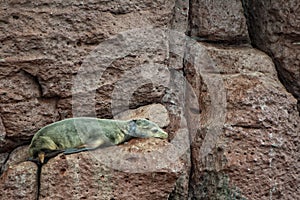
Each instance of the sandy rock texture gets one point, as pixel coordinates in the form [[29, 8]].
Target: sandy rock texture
[[274, 29], [130, 171], [19, 182], [218, 21], [17, 156], [221, 77], [254, 151], [156, 113]]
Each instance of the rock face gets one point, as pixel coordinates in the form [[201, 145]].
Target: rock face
[[218, 21], [19, 182], [189, 66], [274, 28], [111, 173], [156, 113], [253, 154], [17, 156]]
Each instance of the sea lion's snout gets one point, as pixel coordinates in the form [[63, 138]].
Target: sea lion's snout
[[159, 133], [164, 135], [145, 128]]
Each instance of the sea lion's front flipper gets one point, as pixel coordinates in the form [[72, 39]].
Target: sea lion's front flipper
[[54, 153], [74, 150], [86, 147]]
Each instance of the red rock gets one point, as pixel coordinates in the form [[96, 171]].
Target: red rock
[[252, 153], [23, 119], [17, 156], [156, 113], [19, 182], [274, 28], [135, 171], [218, 21]]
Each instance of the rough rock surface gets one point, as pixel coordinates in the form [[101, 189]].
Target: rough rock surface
[[136, 170], [274, 28], [154, 112], [254, 153], [218, 21], [17, 156], [59, 35], [19, 182]]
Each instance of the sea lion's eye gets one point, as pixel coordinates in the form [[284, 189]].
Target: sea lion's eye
[[154, 130]]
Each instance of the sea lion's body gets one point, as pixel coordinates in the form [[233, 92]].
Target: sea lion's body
[[79, 134]]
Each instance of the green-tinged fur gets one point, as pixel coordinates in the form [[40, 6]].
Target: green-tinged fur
[[74, 134]]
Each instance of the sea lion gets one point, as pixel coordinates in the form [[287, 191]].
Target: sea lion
[[84, 133]]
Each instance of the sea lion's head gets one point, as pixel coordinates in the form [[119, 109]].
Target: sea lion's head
[[40, 146], [144, 128]]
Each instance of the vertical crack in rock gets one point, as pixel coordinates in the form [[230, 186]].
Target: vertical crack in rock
[[184, 63], [190, 147], [38, 180], [188, 33], [246, 14], [190, 24]]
